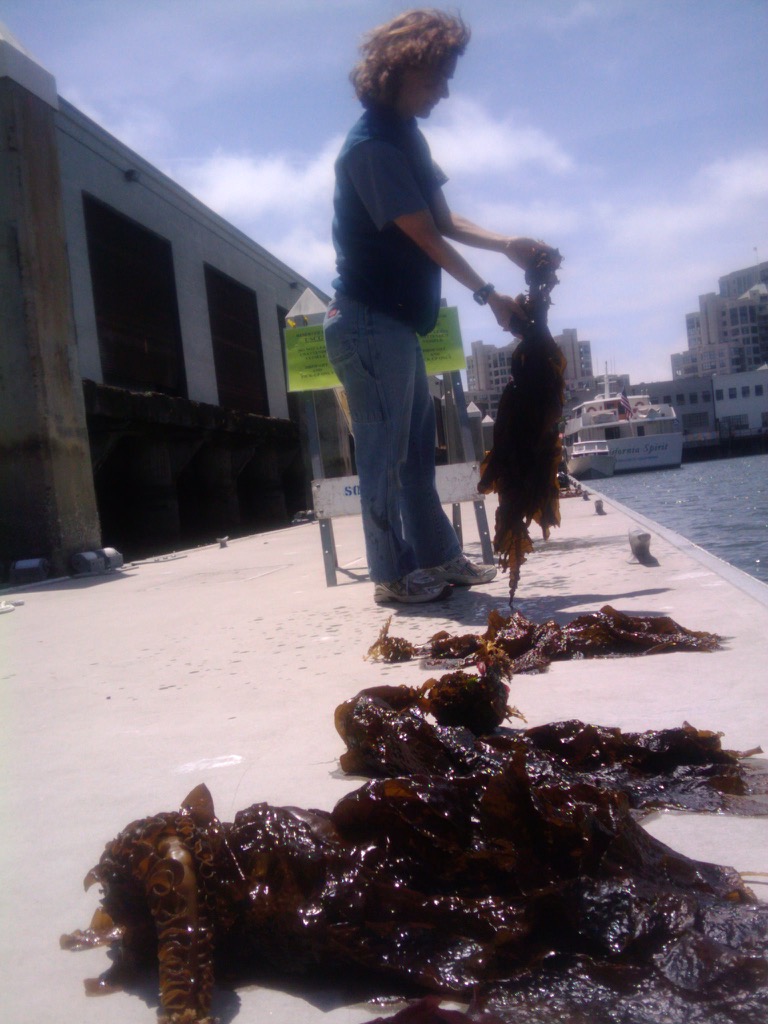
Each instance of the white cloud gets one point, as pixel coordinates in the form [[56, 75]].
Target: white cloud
[[738, 180], [570, 15], [309, 251], [282, 200], [467, 141], [638, 267], [547, 219], [247, 186], [725, 193]]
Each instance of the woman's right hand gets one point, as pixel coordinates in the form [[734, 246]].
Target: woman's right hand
[[525, 252]]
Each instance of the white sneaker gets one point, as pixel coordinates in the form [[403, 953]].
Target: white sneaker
[[417, 587], [463, 573]]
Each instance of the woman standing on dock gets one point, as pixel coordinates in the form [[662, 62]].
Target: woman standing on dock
[[390, 231]]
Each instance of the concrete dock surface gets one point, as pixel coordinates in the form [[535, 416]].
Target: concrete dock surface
[[223, 665]]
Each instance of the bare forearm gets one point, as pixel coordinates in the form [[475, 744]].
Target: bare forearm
[[421, 228], [459, 229], [453, 263], [519, 249], [522, 251]]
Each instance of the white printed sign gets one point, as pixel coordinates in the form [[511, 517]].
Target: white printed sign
[[340, 496]]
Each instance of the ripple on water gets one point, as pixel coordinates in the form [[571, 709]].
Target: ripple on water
[[720, 505]]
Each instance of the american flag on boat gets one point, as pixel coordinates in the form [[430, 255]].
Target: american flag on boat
[[626, 408]]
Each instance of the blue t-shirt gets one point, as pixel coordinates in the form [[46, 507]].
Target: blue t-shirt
[[385, 170], [385, 182]]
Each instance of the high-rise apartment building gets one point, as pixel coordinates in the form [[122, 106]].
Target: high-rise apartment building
[[488, 365], [578, 359], [729, 332]]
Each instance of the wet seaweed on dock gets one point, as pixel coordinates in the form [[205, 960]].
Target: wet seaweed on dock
[[390, 648], [430, 1011], [390, 731], [502, 868], [530, 647], [523, 463], [493, 888]]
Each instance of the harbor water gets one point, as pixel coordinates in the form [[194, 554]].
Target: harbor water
[[722, 506]]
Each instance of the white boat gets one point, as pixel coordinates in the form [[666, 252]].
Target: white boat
[[590, 460], [639, 435]]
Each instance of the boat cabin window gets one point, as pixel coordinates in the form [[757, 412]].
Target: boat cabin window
[[611, 433]]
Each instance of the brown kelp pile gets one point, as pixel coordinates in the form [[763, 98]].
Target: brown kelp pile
[[531, 897], [505, 868], [523, 463], [521, 645], [392, 731]]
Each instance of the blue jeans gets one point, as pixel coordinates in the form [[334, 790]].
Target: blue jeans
[[380, 364]]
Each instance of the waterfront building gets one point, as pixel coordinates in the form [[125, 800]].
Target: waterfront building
[[719, 413], [741, 404], [729, 331], [142, 384]]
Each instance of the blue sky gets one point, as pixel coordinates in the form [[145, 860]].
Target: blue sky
[[630, 133]]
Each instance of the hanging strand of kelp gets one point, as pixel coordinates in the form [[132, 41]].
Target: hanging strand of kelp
[[522, 466]]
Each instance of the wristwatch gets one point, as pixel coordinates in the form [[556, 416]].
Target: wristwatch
[[482, 294]]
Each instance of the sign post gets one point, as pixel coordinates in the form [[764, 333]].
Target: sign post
[[309, 370]]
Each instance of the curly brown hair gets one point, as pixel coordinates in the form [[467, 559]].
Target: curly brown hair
[[420, 38]]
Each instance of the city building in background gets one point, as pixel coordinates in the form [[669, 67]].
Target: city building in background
[[488, 370], [720, 414], [729, 332], [741, 405]]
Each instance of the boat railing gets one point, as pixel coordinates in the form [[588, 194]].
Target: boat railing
[[654, 412], [592, 417]]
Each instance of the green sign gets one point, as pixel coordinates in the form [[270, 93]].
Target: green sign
[[442, 347], [307, 360], [310, 370]]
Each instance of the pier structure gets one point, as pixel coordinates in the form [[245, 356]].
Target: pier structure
[[223, 665], [47, 496]]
